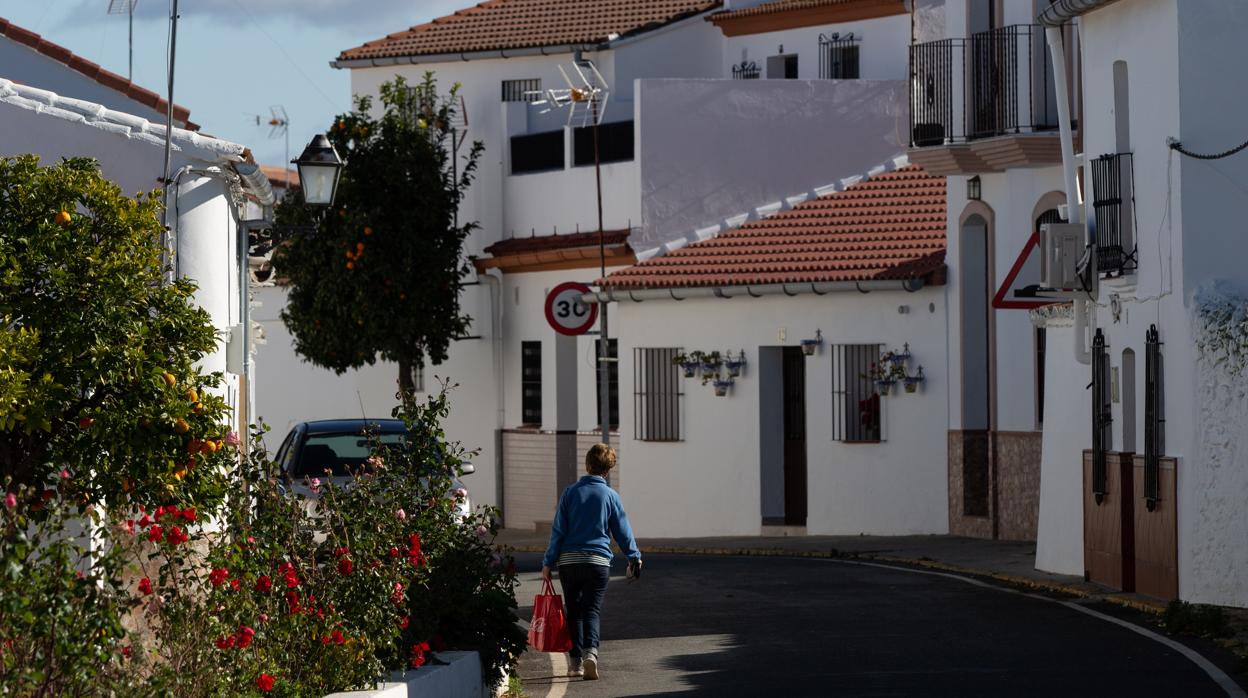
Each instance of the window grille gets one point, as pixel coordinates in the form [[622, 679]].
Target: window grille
[[522, 90], [1154, 421], [745, 70], [422, 101], [656, 394], [838, 57], [1041, 346], [418, 377], [615, 143], [856, 407], [1112, 201], [537, 152], [531, 383], [613, 381], [1102, 415]]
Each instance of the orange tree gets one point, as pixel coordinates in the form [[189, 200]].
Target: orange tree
[[379, 276], [100, 399]]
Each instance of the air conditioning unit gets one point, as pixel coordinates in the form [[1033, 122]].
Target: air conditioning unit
[[1063, 245]]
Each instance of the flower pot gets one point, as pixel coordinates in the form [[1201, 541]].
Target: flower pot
[[884, 386], [721, 388], [809, 346], [710, 368], [734, 368], [690, 369], [911, 386]]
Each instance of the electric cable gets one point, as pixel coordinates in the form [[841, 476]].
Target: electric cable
[[1176, 145]]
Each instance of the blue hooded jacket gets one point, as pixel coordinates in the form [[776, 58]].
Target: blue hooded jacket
[[588, 511]]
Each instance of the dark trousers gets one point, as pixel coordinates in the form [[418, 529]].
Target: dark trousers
[[584, 586]]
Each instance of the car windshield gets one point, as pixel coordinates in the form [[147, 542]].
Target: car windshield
[[341, 454]]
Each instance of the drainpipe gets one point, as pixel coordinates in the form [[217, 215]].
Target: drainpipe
[[1074, 204], [494, 279]]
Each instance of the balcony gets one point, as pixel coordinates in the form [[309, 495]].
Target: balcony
[[983, 104]]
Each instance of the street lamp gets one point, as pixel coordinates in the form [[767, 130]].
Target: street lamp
[[319, 168]]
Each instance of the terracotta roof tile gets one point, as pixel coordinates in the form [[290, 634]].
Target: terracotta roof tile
[[514, 24], [93, 71], [889, 227]]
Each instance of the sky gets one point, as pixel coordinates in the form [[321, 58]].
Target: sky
[[236, 59]]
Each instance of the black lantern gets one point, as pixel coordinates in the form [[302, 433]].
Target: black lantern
[[974, 189], [319, 167]]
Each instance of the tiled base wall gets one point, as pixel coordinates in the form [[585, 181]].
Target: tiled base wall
[[978, 499]]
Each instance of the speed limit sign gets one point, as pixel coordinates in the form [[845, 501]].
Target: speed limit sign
[[566, 312]]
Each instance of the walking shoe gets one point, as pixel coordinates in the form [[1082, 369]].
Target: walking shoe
[[575, 668], [590, 665]]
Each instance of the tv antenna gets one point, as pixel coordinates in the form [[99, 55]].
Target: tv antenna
[[279, 125], [126, 7], [585, 95]]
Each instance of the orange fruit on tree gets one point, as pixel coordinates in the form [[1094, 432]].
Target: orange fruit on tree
[[359, 247], [170, 380], [350, 265], [199, 408], [63, 218], [367, 231], [191, 395], [181, 426], [85, 422]]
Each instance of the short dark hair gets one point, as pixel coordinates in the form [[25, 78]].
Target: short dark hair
[[600, 459]]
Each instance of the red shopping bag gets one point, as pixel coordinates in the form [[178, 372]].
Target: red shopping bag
[[549, 632]]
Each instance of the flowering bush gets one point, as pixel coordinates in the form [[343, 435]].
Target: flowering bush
[[268, 594]]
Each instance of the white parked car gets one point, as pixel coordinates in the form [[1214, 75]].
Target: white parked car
[[342, 447]]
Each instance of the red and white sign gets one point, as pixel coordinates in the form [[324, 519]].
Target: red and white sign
[[566, 312]]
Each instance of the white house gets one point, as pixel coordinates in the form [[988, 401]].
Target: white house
[[214, 178], [813, 301], [1156, 458], [687, 151], [983, 112]]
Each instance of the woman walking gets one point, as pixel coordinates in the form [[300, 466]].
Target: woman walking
[[589, 512]]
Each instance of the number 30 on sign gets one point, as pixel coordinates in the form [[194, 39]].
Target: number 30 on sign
[[566, 312]]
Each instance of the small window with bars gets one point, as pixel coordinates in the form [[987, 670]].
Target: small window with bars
[[422, 101], [657, 394], [613, 381], [1113, 203], [857, 413], [531, 383], [522, 90], [838, 57], [1154, 417]]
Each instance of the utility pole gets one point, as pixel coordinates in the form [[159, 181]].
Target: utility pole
[[604, 365]]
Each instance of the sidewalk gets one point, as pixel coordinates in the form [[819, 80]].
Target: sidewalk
[[1011, 562]]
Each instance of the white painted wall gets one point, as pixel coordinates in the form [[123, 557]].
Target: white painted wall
[[24, 65], [709, 483], [881, 54], [710, 149]]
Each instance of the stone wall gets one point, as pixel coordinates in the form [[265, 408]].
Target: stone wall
[[994, 484]]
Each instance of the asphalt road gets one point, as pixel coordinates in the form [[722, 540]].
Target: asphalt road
[[774, 627]]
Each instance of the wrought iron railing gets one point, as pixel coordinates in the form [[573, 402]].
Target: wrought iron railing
[[994, 83], [1154, 435], [838, 57], [1113, 204], [1102, 415], [745, 70]]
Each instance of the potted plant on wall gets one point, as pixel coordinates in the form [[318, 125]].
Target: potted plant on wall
[[721, 386], [687, 362], [911, 383], [711, 362], [734, 364]]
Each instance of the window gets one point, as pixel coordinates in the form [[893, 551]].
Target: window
[[531, 383], [537, 152], [656, 395], [1102, 415], [856, 413], [615, 143], [838, 57], [1113, 204], [1041, 341], [613, 381], [522, 90], [1154, 419], [422, 101], [418, 380]]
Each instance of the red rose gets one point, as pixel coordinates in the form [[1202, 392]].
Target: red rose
[[403, 622], [345, 566], [125, 651], [225, 643], [155, 534], [338, 637], [324, 639], [264, 682], [173, 512], [160, 511], [145, 586], [292, 600], [177, 536], [418, 654], [264, 584], [145, 521], [218, 576], [235, 584], [245, 634], [394, 552], [339, 552], [189, 514]]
